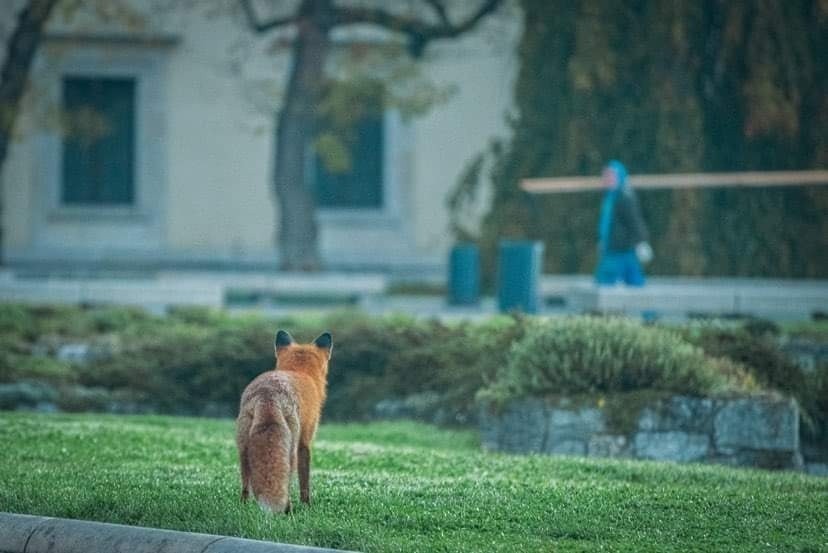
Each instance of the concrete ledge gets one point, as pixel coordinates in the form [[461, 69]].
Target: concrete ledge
[[775, 298], [34, 534], [207, 288], [142, 292]]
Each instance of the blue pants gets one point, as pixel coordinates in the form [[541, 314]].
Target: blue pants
[[615, 266]]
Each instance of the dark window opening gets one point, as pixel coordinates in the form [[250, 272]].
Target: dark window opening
[[99, 142], [361, 187]]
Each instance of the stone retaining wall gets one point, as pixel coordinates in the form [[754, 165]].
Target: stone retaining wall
[[745, 431]]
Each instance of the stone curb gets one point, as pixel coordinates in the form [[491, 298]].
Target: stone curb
[[35, 534]]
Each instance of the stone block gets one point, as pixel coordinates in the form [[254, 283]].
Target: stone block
[[26, 394], [569, 430], [489, 429], [689, 414], [519, 428], [575, 424], [671, 446], [74, 353], [764, 459], [607, 445], [757, 423], [566, 447], [817, 469]]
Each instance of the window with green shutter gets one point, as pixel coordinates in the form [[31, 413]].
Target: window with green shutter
[[362, 186], [98, 162]]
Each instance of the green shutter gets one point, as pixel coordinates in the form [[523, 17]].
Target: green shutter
[[99, 145]]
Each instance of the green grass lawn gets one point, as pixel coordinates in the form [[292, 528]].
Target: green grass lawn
[[400, 487]]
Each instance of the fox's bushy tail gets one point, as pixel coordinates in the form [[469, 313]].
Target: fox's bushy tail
[[272, 446]]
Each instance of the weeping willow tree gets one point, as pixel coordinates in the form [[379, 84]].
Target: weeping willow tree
[[667, 87]]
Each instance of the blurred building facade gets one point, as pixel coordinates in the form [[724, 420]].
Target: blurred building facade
[[180, 171]]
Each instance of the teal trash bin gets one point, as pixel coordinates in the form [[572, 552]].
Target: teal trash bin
[[519, 271], [464, 275]]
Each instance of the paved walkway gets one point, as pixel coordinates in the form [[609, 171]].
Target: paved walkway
[[288, 293]]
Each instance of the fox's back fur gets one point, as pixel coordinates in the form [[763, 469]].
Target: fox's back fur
[[278, 418]]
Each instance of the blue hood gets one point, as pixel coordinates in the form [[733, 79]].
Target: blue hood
[[620, 171]]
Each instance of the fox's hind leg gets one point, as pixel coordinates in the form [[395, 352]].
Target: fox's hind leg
[[244, 463], [303, 458], [242, 443]]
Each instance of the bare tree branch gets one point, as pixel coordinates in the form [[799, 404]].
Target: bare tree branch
[[259, 26], [440, 9], [419, 32]]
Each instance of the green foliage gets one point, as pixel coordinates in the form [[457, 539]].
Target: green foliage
[[771, 367], [577, 355], [667, 87], [396, 357], [198, 360], [369, 80], [42, 368], [181, 367], [752, 346], [400, 487], [812, 330], [15, 320]]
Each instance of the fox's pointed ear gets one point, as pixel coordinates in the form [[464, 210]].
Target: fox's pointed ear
[[325, 341], [283, 340]]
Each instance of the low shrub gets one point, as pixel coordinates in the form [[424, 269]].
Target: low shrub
[[757, 348], [195, 357], [816, 329], [199, 360], [180, 367], [395, 357], [16, 321], [759, 351], [576, 355]]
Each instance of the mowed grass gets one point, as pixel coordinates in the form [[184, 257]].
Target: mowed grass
[[400, 487]]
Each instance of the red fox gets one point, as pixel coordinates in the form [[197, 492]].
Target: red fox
[[278, 418]]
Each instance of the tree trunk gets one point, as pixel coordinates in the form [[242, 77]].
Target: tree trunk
[[297, 125], [20, 51]]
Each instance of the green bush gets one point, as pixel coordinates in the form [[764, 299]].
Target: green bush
[[196, 360], [181, 367], [396, 357], [16, 321], [576, 355], [196, 357], [757, 348]]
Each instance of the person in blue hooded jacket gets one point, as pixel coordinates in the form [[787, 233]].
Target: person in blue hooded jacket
[[622, 234]]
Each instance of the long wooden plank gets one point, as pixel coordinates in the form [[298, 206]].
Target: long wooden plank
[[681, 180]]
